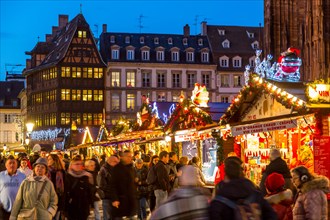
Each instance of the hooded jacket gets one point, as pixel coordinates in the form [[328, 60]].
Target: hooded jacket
[[281, 203], [237, 189], [27, 196], [311, 202]]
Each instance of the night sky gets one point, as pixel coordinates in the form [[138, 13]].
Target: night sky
[[23, 21]]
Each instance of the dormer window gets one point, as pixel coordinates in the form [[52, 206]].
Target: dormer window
[[156, 40], [255, 45], [221, 32], [250, 35], [237, 61], [170, 41], [82, 34], [141, 40], [127, 40], [224, 61], [160, 55], [251, 61], [190, 56], [200, 42], [226, 44], [185, 41], [145, 55], [112, 39], [205, 57], [130, 55]]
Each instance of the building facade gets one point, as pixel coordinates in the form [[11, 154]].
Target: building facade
[[64, 76], [233, 47], [303, 24], [158, 66]]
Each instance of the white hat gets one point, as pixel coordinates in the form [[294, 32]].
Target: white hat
[[36, 148]]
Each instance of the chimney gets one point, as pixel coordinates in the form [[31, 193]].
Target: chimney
[[203, 28], [54, 29], [186, 30], [104, 28], [48, 37], [62, 20], [28, 64]]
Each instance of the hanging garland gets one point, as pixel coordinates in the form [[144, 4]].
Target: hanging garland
[[220, 151]]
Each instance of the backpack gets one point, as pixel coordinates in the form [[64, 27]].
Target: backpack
[[152, 176], [244, 209]]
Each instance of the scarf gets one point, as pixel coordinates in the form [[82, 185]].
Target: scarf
[[59, 181], [81, 173]]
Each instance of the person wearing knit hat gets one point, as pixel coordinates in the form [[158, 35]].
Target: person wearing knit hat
[[279, 197], [311, 202], [42, 161]]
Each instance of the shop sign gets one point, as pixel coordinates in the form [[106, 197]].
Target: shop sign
[[183, 137], [319, 92], [321, 156], [263, 127]]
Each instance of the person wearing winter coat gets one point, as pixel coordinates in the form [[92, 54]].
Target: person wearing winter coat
[[24, 167], [278, 165], [78, 191], [200, 177], [311, 199], [236, 188], [278, 197], [123, 189], [27, 195], [162, 185], [141, 173], [186, 202]]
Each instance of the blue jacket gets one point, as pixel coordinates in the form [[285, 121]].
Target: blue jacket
[[9, 186]]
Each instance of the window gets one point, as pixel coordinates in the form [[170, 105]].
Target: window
[[224, 61], [130, 102], [237, 62], [76, 72], [65, 118], [205, 57], [156, 40], [76, 117], [161, 80], [112, 39], [127, 40], [237, 80], [225, 80], [255, 46], [145, 55], [226, 44], [161, 97], [170, 40], [225, 99], [98, 95], [7, 118], [185, 41], [115, 54], [175, 97], [115, 102], [130, 79], [87, 119], [130, 55], [160, 55], [76, 94], [89, 73], [87, 95], [175, 56], [190, 57], [250, 35], [65, 72], [141, 40], [115, 78], [15, 103], [221, 32], [176, 80], [97, 118], [206, 80], [251, 61], [191, 80], [82, 34], [2, 102], [65, 94], [146, 79], [200, 42], [98, 73]]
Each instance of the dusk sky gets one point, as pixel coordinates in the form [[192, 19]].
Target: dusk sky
[[23, 21]]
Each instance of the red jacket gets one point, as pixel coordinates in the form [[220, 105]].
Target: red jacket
[[220, 175]]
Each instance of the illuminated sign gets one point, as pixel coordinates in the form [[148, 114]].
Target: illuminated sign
[[263, 127], [318, 92]]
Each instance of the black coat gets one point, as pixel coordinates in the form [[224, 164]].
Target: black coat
[[279, 166], [123, 189], [163, 179], [235, 190], [78, 197], [105, 176], [142, 185]]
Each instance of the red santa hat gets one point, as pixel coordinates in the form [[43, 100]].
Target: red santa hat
[[274, 182]]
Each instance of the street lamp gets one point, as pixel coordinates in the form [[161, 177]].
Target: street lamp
[[29, 129]]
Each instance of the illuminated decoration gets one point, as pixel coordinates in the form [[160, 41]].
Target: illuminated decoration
[[200, 95], [87, 136], [247, 74], [155, 110], [287, 67], [122, 126], [258, 85], [52, 134], [186, 116], [170, 112], [318, 93]]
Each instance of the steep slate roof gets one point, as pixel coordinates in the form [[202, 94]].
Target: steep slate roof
[[9, 92], [192, 42], [59, 44], [240, 43]]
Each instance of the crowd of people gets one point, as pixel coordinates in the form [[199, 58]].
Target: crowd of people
[[133, 185]]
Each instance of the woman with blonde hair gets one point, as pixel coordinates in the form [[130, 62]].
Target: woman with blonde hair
[[56, 173]]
